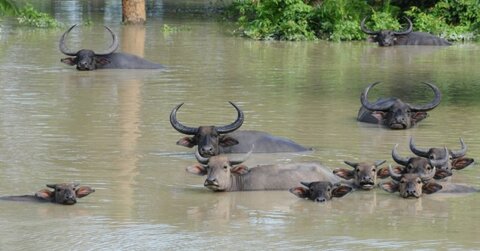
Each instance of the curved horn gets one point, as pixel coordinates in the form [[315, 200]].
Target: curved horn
[[429, 176], [52, 186], [408, 30], [235, 125], [178, 126], [368, 105], [398, 158], [367, 31], [417, 151], [433, 103], [200, 159], [113, 47], [241, 159], [307, 184], [440, 162], [393, 174], [61, 45], [379, 162], [352, 164], [461, 152]]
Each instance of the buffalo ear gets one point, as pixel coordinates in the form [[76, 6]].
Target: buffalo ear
[[227, 141], [460, 163], [344, 173], [239, 169], [418, 116], [83, 191], [383, 173], [197, 169], [390, 186], [45, 194], [300, 192], [440, 174], [187, 142], [378, 115], [341, 190], [69, 61], [431, 187], [102, 60]]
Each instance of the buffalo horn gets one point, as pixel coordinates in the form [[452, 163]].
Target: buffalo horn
[[200, 159], [63, 48], [113, 47], [393, 174], [379, 162], [178, 126], [241, 159], [368, 105], [352, 164], [398, 158], [417, 151], [408, 30], [235, 125], [431, 105], [52, 186], [461, 152], [440, 162], [307, 184], [367, 31]]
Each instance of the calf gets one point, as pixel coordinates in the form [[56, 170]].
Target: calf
[[320, 191], [64, 193], [364, 174]]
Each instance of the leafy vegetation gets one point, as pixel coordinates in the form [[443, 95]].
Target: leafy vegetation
[[7, 7], [29, 16], [339, 19]]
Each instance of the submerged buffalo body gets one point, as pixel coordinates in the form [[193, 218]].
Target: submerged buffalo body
[[225, 174], [393, 112], [214, 140], [457, 159], [320, 191], [88, 60], [407, 37], [66, 194], [363, 176]]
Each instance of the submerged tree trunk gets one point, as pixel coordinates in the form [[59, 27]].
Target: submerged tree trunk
[[133, 11]]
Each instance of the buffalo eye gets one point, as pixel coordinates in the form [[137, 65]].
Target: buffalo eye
[[58, 189], [419, 182], [429, 168], [225, 167], [402, 181], [432, 157], [329, 189], [374, 170], [410, 167]]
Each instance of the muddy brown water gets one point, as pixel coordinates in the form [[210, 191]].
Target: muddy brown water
[[109, 129]]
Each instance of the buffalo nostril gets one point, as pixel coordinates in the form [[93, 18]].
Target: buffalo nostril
[[320, 200]]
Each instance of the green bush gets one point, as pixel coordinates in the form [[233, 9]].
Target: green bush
[[29, 16], [7, 7]]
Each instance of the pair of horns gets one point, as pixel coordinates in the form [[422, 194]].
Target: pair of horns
[[369, 32], [63, 48]]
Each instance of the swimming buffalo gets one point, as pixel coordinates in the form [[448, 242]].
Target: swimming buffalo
[[364, 174], [66, 194], [88, 60], [407, 37], [320, 191], [411, 184], [393, 112], [213, 140], [226, 174], [457, 159]]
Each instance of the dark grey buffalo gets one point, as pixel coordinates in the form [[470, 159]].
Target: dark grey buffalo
[[407, 37], [363, 175], [393, 112], [457, 159], [226, 174], [88, 60], [214, 140], [66, 194], [320, 191]]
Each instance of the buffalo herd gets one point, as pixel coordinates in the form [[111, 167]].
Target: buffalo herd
[[426, 171]]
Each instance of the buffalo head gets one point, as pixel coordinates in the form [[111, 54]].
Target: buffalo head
[[219, 170], [411, 184], [87, 60], [364, 175], [386, 37], [208, 138], [320, 191], [66, 194], [457, 159], [397, 114]]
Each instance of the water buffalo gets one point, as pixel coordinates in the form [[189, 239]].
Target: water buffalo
[[226, 174], [320, 191], [88, 60], [364, 174], [64, 193], [407, 37], [214, 140], [457, 159], [393, 112], [411, 184]]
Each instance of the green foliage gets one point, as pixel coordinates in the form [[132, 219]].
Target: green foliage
[[29, 16], [7, 7]]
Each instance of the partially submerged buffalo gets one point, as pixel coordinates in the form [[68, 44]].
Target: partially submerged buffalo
[[320, 191], [406, 37], [66, 194], [226, 174], [88, 60], [456, 158], [411, 184], [363, 175], [214, 140], [393, 112]]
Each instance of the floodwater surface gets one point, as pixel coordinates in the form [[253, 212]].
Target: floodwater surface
[[110, 129]]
